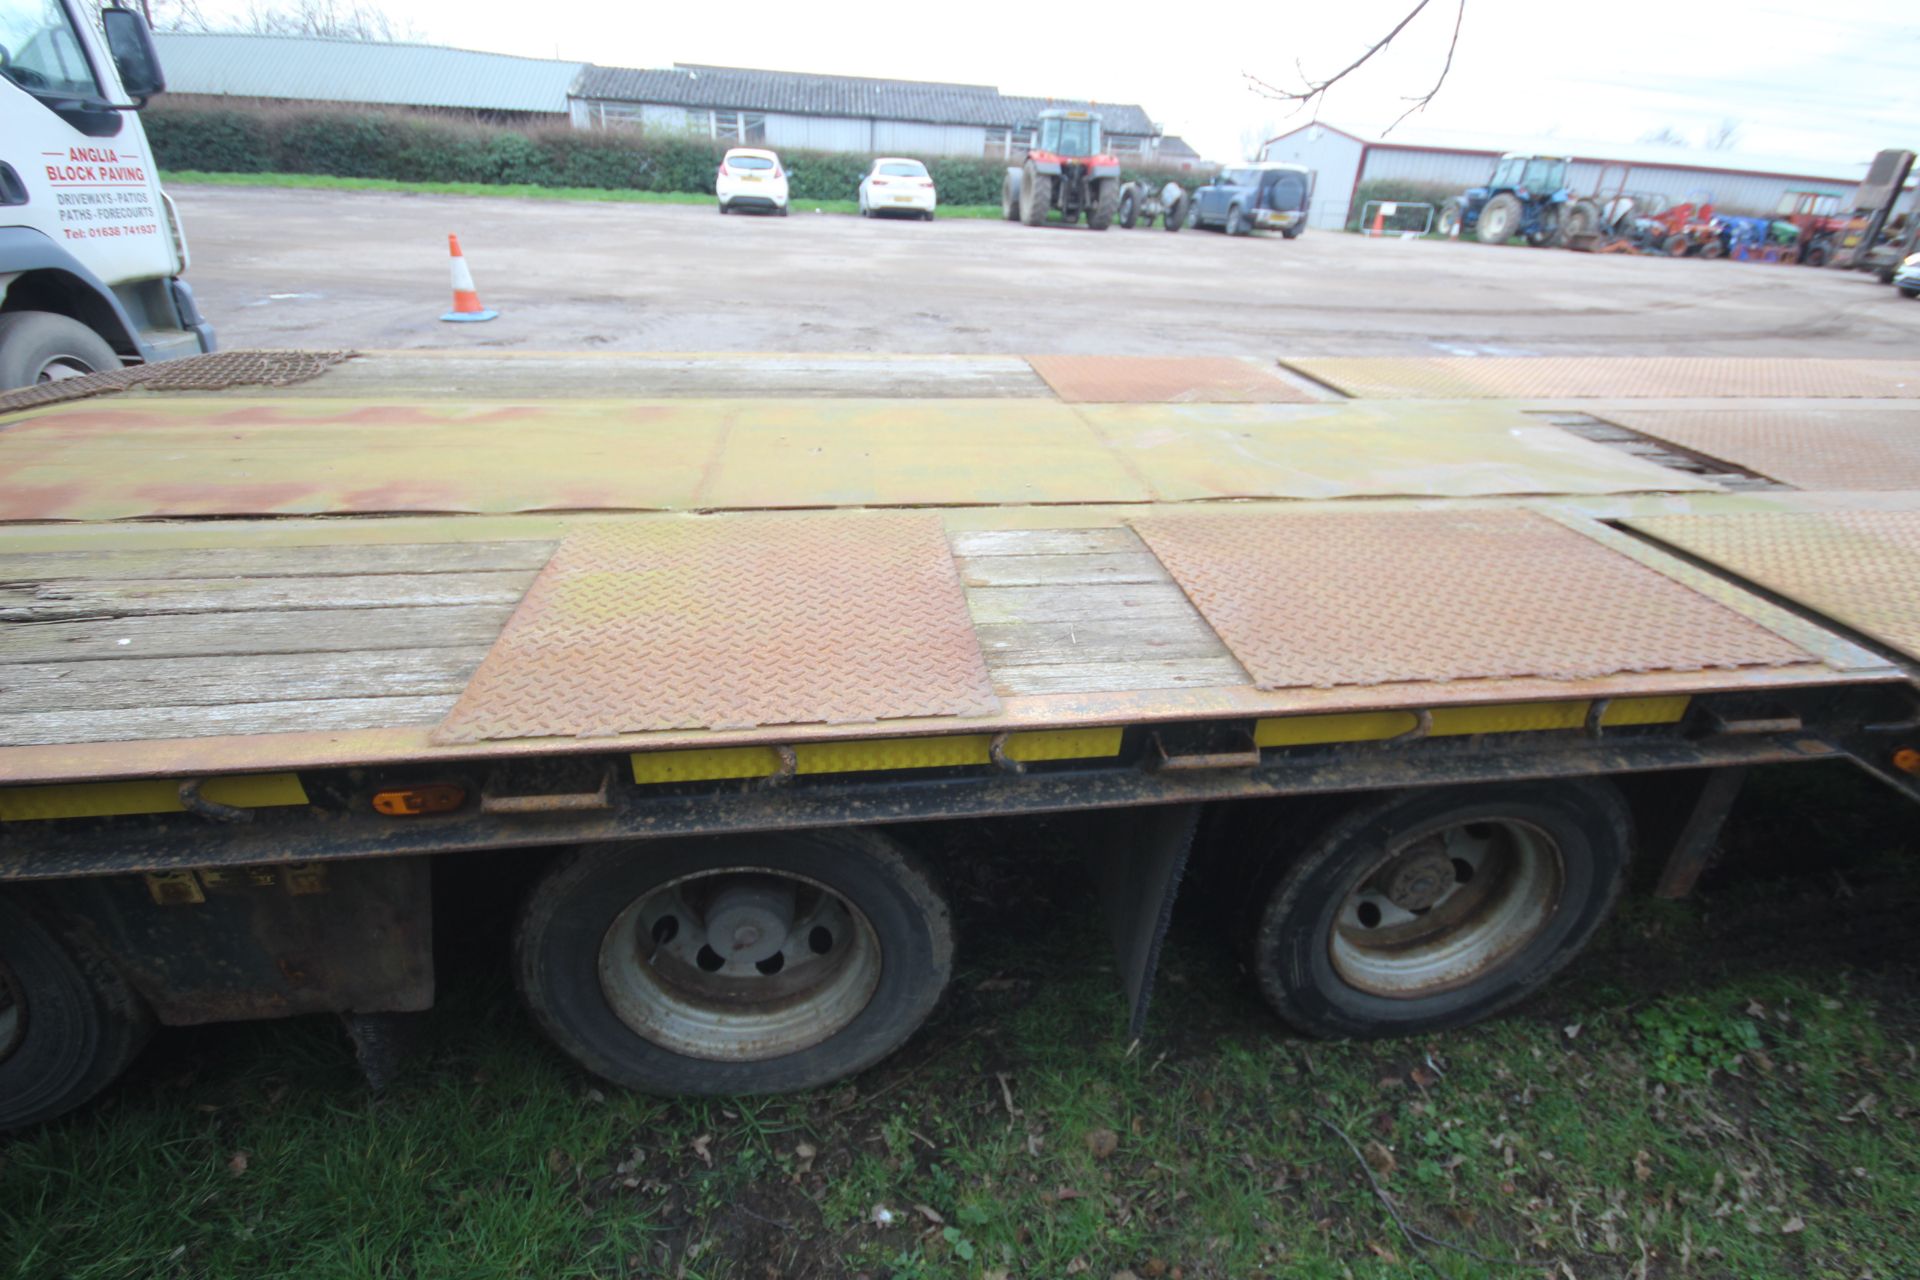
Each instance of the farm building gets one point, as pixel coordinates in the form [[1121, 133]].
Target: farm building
[[1734, 183], [838, 113], [733, 104], [318, 69]]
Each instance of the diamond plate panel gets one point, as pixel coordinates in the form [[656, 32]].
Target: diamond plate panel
[[1555, 377], [195, 373], [1378, 598], [1859, 568], [1812, 449], [730, 622], [1165, 380]]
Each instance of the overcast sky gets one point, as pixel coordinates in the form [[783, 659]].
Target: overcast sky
[[1821, 82]]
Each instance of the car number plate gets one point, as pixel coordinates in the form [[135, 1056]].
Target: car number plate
[[904, 199]]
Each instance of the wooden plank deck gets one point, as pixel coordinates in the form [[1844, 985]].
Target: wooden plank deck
[[129, 645]]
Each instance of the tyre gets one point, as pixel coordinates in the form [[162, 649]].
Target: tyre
[[1676, 245], [1432, 909], [757, 965], [1236, 224], [1179, 213], [864, 211], [1815, 256], [1499, 220], [1010, 196], [1580, 218], [69, 1023], [1129, 211], [1036, 196], [39, 346], [1910, 291], [1714, 248], [781, 212], [1106, 200], [1450, 214], [723, 208], [1293, 232], [927, 216]]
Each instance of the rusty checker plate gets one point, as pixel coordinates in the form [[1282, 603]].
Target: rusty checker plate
[[1852, 448], [730, 622], [1859, 568], [1165, 380], [1325, 600], [1628, 377]]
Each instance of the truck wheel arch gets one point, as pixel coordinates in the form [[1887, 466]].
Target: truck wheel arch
[[38, 275]]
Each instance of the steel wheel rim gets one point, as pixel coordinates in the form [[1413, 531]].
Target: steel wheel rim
[[60, 368], [1409, 929], [661, 980], [13, 1012]]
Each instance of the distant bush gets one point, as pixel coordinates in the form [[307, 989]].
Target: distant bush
[[414, 146]]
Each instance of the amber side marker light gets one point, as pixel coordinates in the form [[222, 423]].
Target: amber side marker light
[[1907, 760], [409, 802]]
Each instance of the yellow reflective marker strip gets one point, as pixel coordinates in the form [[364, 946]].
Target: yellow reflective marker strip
[[1512, 717], [152, 795], [873, 756]]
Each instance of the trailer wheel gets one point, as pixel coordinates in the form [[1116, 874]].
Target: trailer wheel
[[1433, 909], [1010, 196], [39, 346], [1176, 215], [1129, 211], [756, 965], [69, 1023]]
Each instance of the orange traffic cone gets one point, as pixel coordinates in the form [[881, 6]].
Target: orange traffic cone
[[466, 301]]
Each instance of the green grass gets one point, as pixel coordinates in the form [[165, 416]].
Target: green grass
[[1688, 1103], [523, 191]]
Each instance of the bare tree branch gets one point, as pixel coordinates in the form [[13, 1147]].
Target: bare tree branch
[[1420, 103], [1312, 90]]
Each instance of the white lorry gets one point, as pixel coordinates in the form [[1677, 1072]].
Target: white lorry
[[90, 248]]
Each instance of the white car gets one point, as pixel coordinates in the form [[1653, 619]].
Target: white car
[[897, 185], [750, 178], [1907, 278]]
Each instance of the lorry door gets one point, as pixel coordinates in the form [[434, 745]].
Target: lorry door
[[84, 166]]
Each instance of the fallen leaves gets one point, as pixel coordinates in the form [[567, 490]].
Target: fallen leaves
[[1102, 1143], [1380, 1158], [237, 1162], [701, 1147]]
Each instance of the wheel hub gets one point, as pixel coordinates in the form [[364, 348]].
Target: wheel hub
[[1419, 877], [750, 920]]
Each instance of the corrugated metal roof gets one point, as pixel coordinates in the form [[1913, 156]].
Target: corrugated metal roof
[[316, 69], [1646, 154], [797, 93]]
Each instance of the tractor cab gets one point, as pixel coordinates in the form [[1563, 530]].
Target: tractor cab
[[1071, 135], [1529, 176]]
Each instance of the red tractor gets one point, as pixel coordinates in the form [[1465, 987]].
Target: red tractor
[[1067, 171]]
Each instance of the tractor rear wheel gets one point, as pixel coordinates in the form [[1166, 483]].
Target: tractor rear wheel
[[1106, 199], [1036, 196], [1129, 212], [1581, 218], [1500, 220]]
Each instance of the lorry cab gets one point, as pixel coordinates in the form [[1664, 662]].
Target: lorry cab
[[91, 250], [1267, 196]]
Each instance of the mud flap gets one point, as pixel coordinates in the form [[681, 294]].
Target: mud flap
[[1138, 874]]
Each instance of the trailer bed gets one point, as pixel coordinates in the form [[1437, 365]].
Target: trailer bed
[[303, 576]]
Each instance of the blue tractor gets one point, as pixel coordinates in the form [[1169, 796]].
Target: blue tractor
[[1524, 197]]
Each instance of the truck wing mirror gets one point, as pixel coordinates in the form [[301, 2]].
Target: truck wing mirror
[[134, 56]]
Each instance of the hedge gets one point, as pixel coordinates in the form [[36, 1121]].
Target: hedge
[[424, 147], [1433, 193]]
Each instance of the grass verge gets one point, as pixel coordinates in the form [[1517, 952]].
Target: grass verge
[[522, 191], [1725, 1088]]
